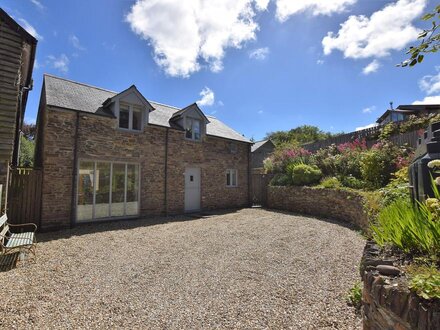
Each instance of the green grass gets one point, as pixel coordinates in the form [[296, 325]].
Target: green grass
[[354, 297]]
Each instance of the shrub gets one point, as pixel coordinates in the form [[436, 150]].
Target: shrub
[[380, 162], [425, 281], [341, 160], [281, 180], [304, 174], [330, 182], [352, 182], [398, 188], [283, 157], [407, 227], [268, 165]]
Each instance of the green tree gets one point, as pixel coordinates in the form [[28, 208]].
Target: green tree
[[298, 135], [430, 40], [27, 148]]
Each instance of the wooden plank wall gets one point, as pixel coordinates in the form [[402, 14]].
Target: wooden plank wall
[[25, 190], [11, 46]]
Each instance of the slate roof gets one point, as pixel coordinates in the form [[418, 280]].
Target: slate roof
[[73, 95], [258, 144]]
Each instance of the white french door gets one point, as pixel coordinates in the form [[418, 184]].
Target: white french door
[[107, 189]]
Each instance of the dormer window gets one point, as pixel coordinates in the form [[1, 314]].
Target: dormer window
[[192, 129], [130, 117]]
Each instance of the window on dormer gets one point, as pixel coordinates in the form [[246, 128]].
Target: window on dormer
[[130, 117], [124, 116], [137, 118], [192, 130]]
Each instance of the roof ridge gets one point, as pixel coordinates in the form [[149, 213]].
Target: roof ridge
[[79, 83], [166, 105]]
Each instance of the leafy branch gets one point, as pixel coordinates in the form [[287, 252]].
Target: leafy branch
[[430, 40]]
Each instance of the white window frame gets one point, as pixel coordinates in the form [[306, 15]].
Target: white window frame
[[131, 110], [110, 217], [231, 171], [192, 138]]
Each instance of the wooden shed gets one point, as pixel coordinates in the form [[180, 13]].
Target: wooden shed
[[17, 55]]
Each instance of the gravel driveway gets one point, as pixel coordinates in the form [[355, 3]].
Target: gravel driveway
[[248, 269]]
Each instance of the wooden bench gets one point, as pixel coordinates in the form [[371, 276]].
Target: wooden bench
[[12, 242]]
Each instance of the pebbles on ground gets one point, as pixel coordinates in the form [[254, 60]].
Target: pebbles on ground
[[250, 269]]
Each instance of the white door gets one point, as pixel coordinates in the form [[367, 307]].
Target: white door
[[192, 189]]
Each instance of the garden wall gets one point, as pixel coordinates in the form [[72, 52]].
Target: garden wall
[[387, 302], [335, 204]]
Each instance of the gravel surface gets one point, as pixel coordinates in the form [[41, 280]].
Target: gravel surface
[[248, 269]]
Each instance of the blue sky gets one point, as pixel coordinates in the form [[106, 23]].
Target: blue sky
[[258, 65]]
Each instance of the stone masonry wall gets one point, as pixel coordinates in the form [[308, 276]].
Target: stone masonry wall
[[99, 139], [58, 167], [386, 299], [336, 204]]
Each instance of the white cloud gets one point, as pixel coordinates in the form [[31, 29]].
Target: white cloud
[[185, 35], [320, 62], [365, 127], [208, 97], [29, 28], [60, 63], [286, 8], [73, 39], [260, 112], [372, 67], [38, 4], [259, 53], [376, 36], [369, 109], [429, 100], [262, 4], [431, 84], [36, 65]]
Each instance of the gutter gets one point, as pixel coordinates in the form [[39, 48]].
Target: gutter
[[74, 175]]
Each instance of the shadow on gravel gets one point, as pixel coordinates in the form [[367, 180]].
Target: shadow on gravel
[[319, 218], [126, 224]]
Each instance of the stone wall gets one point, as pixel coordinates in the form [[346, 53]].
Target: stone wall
[[330, 203], [386, 299], [99, 139]]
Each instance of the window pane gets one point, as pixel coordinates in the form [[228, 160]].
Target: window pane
[[228, 178], [118, 190], [188, 128], [124, 115], [102, 195], [196, 129], [234, 178], [137, 120], [85, 191], [132, 189]]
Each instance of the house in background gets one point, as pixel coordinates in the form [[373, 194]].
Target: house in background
[[17, 55], [260, 151], [107, 155], [402, 112]]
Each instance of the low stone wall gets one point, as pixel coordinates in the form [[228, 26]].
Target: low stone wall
[[386, 299], [335, 204]]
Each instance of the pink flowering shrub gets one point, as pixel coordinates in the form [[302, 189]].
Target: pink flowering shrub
[[282, 158]]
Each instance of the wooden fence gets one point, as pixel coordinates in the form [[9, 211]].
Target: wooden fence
[[370, 135], [24, 196]]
